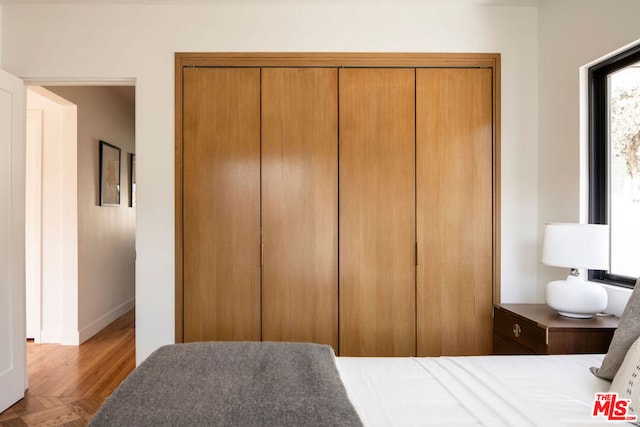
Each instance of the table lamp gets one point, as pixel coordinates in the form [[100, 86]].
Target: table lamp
[[576, 246]]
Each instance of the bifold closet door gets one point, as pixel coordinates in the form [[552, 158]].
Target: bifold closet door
[[221, 204], [377, 212], [454, 198], [300, 205]]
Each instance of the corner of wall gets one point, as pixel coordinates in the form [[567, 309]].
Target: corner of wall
[[97, 325], [70, 292], [70, 337], [56, 289], [105, 289]]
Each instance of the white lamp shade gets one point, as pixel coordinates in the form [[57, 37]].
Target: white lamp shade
[[576, 246]]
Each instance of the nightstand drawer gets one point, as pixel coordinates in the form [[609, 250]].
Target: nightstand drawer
[[520, 332], [538, 329], [504, 346]]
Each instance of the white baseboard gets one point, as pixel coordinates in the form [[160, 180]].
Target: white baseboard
[[50, 336], [35, 336], [97, 325], [70, 338]]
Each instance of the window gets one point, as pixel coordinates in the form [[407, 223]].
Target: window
[[614, 162]]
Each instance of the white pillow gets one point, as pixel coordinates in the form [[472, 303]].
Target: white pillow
[[628, 331], [627, 380]]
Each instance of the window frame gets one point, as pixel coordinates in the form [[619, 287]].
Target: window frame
[[598, 151]]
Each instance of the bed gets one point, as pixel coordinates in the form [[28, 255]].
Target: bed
[[299, 384], [305, 384], [478, 390]]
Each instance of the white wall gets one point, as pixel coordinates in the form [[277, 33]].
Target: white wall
[[106, 235], [72, 41], [573, 33], [59, 248], [33, 223]]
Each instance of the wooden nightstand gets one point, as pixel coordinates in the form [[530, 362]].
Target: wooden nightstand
[[538, 329]]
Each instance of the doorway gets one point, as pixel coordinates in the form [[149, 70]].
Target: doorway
[[80, 253]]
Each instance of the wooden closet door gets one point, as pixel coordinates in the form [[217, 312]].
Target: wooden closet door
[[300, 205], [454, 211], [221, 204], [377, 212]]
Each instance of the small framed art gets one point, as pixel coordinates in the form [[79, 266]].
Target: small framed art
[[132, 180], [109, 174]]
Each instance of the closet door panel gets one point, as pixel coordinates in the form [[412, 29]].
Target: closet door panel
[[377, 212], [300, 205], [454, 211], [221, 203]]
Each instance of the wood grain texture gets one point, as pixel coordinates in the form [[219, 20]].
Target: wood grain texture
[[221, 204], [542, 331], [184, 62], [377, 212], [178, 309], [67, 384], [546, 317], [300, 205], [335, 59], [454, 194], [497, 179]]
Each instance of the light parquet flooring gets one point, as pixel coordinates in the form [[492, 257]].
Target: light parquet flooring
[[67, 384]]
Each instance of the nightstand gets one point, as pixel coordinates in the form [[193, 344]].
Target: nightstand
[[538, 329]]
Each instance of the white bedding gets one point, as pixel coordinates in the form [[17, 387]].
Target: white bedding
[[470, 391]]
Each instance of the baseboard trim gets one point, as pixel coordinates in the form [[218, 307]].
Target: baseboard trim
[[97, 325], [50, 336], [70, 338]]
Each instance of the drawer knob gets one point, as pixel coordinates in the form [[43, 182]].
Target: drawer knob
[[517, 330]]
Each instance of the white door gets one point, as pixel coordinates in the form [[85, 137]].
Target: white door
[[12, 263]]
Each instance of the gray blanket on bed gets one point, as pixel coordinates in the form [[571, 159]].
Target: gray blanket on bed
[[232, 384]]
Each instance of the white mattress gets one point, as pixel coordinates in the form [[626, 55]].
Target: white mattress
[[470, 391]]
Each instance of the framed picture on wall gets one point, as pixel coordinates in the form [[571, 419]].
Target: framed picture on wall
[[132, 180], [109, 174]]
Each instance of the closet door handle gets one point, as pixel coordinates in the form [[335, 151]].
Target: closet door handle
[[261, 254]]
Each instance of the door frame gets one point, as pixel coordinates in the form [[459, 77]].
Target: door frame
[[17, 232]]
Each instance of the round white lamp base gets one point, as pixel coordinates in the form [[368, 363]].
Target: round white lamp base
[[575, 298]]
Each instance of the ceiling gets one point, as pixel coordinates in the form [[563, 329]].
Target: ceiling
[[268, 2]]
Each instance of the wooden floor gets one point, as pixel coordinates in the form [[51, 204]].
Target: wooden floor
[[67, 384]]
